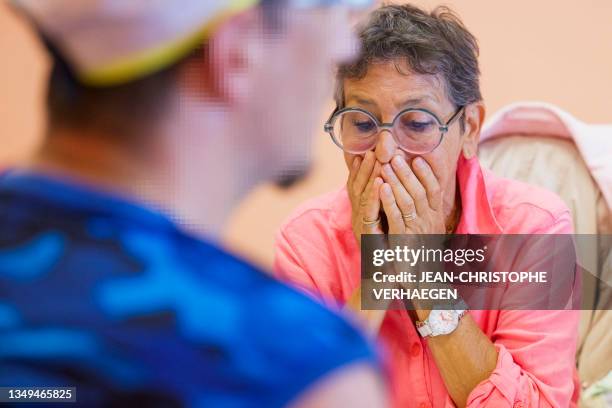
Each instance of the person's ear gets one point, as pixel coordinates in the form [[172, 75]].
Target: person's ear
[[474, 118], [222, 72]]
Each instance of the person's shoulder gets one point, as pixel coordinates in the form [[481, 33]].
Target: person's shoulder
[[320, 206], [285, 328], [299, 317], [520, 207], [329, 211]]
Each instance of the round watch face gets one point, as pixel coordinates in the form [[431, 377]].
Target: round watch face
[[443, 321]]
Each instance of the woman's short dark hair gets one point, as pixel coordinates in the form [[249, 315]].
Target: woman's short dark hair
[[435, 43]]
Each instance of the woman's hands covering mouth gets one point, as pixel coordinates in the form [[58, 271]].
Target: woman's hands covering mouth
[[408, 197], [412, 198]]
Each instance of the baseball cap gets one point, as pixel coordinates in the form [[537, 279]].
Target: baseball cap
[[110, 42]]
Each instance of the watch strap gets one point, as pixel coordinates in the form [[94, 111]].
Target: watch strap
[[424, 329]]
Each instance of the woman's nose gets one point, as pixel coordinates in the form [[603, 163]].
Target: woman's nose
[[386, 147]]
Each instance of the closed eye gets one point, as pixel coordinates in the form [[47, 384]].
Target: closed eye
[[364, 126], [417, 126]]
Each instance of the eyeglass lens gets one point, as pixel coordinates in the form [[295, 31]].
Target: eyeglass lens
[[415, 131]]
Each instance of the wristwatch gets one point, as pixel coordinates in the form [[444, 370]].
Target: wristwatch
[[441, 321]]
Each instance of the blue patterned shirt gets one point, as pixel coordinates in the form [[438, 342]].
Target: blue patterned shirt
[[102, 294]]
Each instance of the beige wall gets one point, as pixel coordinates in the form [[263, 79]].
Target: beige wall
[[551, 50]]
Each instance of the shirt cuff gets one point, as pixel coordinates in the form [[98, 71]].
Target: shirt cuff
[[500, 388]]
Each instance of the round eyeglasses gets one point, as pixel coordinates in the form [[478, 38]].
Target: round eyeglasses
[[416, 131]]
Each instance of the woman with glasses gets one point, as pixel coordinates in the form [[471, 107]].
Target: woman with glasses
[[408, 118]]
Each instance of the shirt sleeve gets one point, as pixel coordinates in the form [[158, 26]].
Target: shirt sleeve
[[293, 266], [535, 362], [289, 267], [536, 354]]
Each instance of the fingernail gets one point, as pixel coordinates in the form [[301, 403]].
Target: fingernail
[[397, 160], [387, 169], [419, 162]]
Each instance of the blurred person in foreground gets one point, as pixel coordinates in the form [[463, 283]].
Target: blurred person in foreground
[[417, 73], [161, 116]]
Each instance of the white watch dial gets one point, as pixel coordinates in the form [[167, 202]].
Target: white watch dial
[[443, 321]]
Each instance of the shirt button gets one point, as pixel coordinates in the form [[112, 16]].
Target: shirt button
[[518, 404], [424, 405], [415, 350]]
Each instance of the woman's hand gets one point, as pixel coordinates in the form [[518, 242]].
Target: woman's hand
[[364, 191], [412, 198], [363, 186]]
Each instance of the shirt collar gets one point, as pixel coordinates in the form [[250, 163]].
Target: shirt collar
[[477, 216]]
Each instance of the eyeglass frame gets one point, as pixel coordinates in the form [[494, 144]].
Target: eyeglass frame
[[328, 127]]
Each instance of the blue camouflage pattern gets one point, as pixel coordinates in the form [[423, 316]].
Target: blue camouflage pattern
[[113, 298]]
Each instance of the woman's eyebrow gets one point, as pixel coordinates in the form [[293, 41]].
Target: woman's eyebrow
[[361, 100], [414, 100]]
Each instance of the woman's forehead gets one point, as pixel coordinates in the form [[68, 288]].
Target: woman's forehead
[[384, 84]]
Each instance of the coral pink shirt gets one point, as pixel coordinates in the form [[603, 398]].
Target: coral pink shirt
[[316, 251]]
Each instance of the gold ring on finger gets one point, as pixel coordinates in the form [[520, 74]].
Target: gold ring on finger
[[368, 222], [409, 217]]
